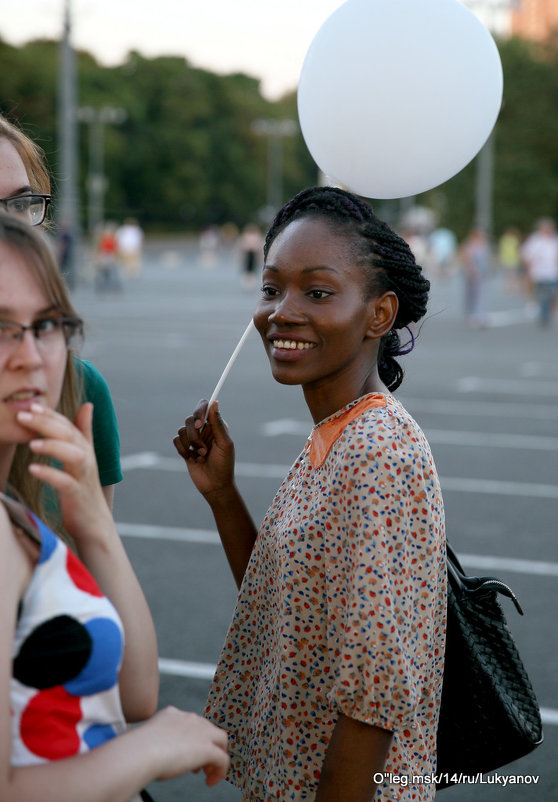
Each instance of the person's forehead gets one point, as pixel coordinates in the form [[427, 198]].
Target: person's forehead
[[13, 175], [311, 235], [17, 279]]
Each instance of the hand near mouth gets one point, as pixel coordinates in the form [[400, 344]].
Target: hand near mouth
[[85, 514]]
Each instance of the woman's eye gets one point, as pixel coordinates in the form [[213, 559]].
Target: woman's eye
[[47, 326], [269, 292], [319, 295]]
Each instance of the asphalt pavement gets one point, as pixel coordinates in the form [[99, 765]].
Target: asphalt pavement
[[487, 400]]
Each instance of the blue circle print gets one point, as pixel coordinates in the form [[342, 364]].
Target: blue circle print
[[98, 734], [49, 541], [101, 671]]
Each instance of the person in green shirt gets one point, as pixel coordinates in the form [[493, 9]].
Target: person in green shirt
[[25, 190]]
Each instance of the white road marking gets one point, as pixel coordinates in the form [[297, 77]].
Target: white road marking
[[249, 469], [488, 409], [208, 536], [490, 563], [183, 668], [472, 384], [495, 487], [168, 533], [145, 459], [508, 317], [549, 716], [255, 470], [280, 428], [523, 442]]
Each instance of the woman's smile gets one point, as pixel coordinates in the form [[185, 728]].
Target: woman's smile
[[287, 348]]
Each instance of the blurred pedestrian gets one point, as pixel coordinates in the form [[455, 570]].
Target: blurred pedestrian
[[25, 190], [208, 244], [330, 679], [251, 244], [107, 272], [65, 240], [476, 258], [442, 246], [540, 256], [129, 237], [509, 258]]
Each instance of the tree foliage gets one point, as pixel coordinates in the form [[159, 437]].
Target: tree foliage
[[187, 154], [525, 151]]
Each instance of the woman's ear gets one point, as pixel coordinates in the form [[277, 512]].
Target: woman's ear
[[383, 311]]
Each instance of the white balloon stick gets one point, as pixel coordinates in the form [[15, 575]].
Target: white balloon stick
[[230, 363]]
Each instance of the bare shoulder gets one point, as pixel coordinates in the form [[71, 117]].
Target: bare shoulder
[[17, 556]]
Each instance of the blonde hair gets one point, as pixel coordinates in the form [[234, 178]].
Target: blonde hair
[[39, 258], [32, 156]]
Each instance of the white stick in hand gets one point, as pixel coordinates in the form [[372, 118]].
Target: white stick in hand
[[230, 363]]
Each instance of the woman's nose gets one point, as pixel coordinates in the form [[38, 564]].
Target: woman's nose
[[286, 310], [27, 351]]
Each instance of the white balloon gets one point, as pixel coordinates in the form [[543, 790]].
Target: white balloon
[[397, 96]]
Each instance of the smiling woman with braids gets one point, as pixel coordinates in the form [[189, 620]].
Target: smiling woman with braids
[[330, 678]]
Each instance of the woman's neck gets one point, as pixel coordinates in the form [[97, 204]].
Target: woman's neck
[[329, 398]]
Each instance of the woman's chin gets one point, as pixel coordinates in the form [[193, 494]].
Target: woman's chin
[[15, 435], [281, 378]]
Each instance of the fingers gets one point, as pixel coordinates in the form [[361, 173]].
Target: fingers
[[46, 422], [56, 437], [200, 430], [189, 742], [188, 441], [217, 770], [219, 736], [179, 447], [58, 479], [65, 452], [216, 767], [84, 421], [200, 412], [191, 443]]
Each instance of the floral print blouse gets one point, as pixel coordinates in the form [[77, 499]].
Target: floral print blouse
[[342, 609]]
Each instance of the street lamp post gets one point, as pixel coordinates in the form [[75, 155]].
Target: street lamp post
[[275, 131], [67, 215], [96, 119], [484, 187]]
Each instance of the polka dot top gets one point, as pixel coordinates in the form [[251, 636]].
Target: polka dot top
[[342, 609], [67, 651]]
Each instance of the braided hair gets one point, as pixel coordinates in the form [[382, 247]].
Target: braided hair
[[389, 261]]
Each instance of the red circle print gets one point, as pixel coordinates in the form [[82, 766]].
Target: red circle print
[[48, 724], [80, 576]]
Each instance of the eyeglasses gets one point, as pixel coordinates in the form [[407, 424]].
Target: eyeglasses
[[49, 333], [32, 207]]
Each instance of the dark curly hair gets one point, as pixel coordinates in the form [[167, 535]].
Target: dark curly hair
[[376, 246]]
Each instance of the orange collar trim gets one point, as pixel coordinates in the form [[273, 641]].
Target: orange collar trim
[[325, 434]]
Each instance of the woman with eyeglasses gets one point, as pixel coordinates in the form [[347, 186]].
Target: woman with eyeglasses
[[78, 654], [25, 192]]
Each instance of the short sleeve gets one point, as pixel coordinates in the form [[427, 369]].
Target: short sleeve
[[387, 590], [106, 436]]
